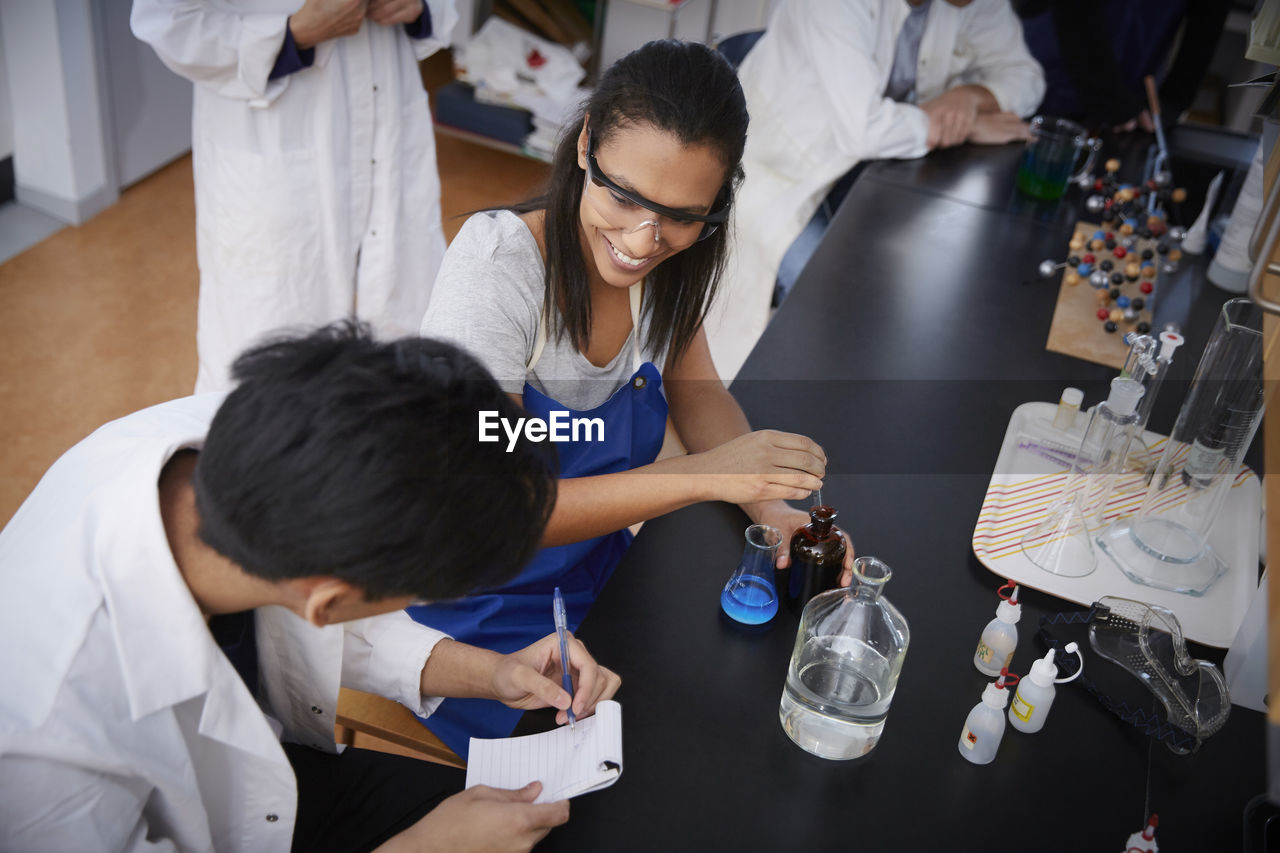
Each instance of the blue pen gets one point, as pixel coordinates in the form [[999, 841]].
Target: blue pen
[[562, 631]]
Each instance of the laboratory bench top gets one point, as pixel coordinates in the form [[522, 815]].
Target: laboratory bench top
[[987, 177], [913, 333]]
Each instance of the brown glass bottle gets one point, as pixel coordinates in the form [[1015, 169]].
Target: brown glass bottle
[[817, 555]]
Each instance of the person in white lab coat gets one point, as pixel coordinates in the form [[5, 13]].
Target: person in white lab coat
[[835, 82], [174, 585], [317, 193]]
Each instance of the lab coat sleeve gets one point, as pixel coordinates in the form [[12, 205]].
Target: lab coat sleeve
[[230, 52], [443, 18], [867, 125], [52, 805], [1003, 64], [385, 655]]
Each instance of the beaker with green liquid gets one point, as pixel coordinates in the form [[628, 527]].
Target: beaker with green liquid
[[1049, 161]]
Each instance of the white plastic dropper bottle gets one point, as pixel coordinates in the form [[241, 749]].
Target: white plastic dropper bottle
[[999, 638], [1144, 841], [984, 727], [1035, 692]]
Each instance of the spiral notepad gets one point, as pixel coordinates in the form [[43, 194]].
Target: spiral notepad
[[567, 762]]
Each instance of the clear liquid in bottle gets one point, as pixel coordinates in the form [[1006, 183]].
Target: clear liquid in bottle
[[833, 704], [845, 667]]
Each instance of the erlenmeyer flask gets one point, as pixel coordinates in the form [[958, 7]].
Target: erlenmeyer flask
[[1166, 544], [750, 596]]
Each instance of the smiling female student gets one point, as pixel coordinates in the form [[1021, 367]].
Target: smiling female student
[[590, 300]]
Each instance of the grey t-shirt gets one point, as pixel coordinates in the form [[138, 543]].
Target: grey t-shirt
[[488, 299]]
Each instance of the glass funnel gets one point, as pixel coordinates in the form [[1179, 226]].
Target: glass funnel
[[845, 666], [1061, 544], [750, 596], [1166, 544]]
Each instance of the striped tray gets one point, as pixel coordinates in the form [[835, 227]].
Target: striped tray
[[1023, 487]]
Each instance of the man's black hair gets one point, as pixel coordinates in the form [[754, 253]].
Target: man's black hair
[[340, 455]]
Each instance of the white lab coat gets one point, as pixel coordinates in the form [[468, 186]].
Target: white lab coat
[[122, 724], [814, 86], [317, 194]]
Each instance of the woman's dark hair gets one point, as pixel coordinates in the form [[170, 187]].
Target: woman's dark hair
[[685, 89], [341, 455]]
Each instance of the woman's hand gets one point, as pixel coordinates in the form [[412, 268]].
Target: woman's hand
[[764, 465], [530, 678], [786, 519]]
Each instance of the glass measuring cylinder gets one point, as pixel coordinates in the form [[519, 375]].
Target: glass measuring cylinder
[[750, 596], [1166, 545], [845, 666]]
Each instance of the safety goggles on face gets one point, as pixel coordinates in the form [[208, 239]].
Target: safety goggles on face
[[620, 205]]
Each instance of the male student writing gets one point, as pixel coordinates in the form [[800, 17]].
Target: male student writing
[[172, 597]]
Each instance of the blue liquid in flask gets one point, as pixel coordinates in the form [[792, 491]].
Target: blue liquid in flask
[[750, 600]]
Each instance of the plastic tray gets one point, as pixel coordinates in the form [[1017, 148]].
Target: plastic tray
[[1025, 484]]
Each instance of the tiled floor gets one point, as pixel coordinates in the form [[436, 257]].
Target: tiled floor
[[99, 320]]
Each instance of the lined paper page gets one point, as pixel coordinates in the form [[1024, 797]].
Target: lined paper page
[[567, 762]]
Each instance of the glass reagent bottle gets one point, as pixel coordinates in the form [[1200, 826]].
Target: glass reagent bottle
[[817, 556], [845, 666], [1106, 444]]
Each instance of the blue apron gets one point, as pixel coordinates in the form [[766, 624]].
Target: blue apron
[[518, 613]]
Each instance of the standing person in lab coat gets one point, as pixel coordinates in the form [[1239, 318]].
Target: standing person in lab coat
[[187, 588], [835, 82], [317, 195]]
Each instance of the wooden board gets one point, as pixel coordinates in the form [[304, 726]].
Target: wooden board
[[1076, 330], [366, 721]]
